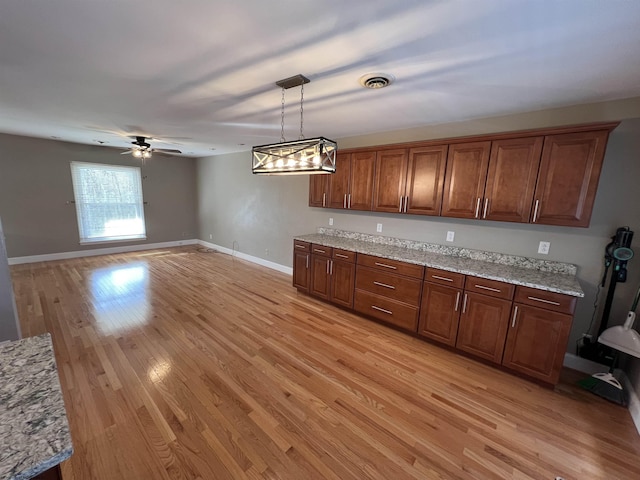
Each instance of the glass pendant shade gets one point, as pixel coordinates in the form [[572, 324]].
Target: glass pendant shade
[[308, 156]]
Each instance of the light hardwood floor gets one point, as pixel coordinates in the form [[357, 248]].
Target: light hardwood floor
[[178, 364]]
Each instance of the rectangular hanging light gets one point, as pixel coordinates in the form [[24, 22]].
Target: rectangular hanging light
[[303, 156], [312, 155]]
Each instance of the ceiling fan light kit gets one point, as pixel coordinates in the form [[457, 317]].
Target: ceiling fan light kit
[[303, 156]]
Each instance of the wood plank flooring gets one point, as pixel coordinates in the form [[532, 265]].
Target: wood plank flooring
[[180, 364]]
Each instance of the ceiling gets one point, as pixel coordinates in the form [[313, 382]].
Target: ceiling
[[204, 71]]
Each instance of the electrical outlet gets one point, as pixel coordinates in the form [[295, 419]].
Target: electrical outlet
[[379, 228], [450, 236], [266, 252], [330, 221], [543, 248], [211, 236]]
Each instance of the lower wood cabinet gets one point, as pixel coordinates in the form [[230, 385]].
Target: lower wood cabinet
[[521, 328], [483, 326], [301, 265]]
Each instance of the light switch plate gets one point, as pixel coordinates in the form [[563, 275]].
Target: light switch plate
[[330, 221], [379, 228], [450, 236]]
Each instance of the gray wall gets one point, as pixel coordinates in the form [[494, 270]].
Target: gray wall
[[263, 213], [35, 186]]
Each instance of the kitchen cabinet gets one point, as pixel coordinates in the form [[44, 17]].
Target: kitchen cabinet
[[388, 290], [441, 305], [410, 180], [301, 265], [486, 305], [465, 178], [319, 189], [538, 333], [351, 186], [568, 178], [511, 179], [320, 285]]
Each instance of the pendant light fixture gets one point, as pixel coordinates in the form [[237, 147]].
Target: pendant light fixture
[[302, 156]]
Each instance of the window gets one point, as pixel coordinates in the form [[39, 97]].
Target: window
[[108, 202]]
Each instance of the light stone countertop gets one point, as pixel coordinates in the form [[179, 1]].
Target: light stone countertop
[[552, 281], [34, 432]]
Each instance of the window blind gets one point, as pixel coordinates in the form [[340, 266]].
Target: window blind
[[109, 202]]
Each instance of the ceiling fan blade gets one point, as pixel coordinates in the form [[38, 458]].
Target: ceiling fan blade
[[166, 150]]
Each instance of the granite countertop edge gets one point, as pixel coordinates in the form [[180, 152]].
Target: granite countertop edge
[[42, 467], [527, 277]]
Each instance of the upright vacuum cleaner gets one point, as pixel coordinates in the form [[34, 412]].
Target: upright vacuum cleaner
[[616, 255]]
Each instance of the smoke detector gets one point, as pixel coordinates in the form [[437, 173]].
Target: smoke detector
[[376, 80]]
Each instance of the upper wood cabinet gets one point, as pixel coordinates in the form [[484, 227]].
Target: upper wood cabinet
[[319, 190], [568, 178], [351, 187], [511, 179], [410, 180], [545, 176], [465, 178]]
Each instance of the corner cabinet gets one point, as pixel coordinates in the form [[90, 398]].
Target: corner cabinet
[[547, 176]]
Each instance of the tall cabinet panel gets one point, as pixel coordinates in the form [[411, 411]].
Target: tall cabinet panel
[[339, 184], [569, 174], [360, 196], [465, 178], [511, 179]]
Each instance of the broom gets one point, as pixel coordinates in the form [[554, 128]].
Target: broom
[[606, 385]]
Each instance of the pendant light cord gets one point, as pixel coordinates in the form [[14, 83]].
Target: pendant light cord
[[301, 111], [282, 119]]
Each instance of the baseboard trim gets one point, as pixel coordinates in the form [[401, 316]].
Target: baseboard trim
[[634, 401], [582, 364], [98, 251], [249, 258]]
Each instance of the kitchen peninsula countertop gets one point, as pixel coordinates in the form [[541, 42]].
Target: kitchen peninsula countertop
[[34, 432], [550, 276]]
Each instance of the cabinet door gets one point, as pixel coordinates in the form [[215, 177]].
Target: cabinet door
[[318, 190], [301, 271], [425, 180], [511, 179], [320, 278], [439, 313], [569, 174], [339, 184], [536, 342], [343, 275], [465, 178], [483, 326], [361, 181], [390, 179]]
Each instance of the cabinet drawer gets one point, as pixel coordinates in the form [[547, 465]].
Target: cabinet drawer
[[392, 266], [344, 255], [493, 288], [443, 277], [557, 302], [321, 250], [396, 287], [300, 246], [387, 310]]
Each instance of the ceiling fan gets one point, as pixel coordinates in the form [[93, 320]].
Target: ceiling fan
[[142, 149]]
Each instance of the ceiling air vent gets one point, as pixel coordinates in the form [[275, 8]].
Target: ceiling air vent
[[376, 80]]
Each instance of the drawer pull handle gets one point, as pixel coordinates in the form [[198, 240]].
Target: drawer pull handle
[[386, 266], [535, 211], [388, 312], [300, 246], [324, 199], [464, 304], [457, 301], [536, 299], [385, 285], [515, 315], [318, 250], [328, 266], [341, 255], [477, 207], [497, 290], [442, 278]]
